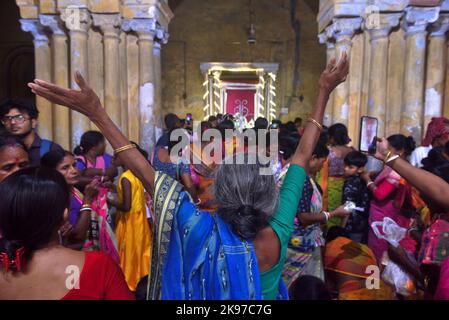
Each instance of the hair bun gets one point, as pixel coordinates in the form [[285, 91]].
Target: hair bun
[[410, 144], [12, 255], [246, 210]]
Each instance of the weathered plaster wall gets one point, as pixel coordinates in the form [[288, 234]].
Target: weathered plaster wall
[[216, 31]]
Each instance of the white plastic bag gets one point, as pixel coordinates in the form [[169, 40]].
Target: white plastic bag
[[403, 282], [393, 274], [392, 233]]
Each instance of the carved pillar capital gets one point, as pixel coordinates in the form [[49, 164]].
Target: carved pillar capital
[[440, 27], [145, 28], [343, 29], [386, 22], [417, 19], [76, 19], [36, 29], [109, 24], [54, 23]]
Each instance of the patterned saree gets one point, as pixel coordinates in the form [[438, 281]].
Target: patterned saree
[[195, 255]]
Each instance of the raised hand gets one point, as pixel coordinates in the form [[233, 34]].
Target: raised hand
[[84, 100], [91, 191], [334, 74]]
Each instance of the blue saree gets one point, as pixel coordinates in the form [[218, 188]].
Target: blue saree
[[196, 256]]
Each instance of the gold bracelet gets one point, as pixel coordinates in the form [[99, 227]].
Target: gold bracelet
[[124, 148], [388, 155], [392, 158], [316, 123]]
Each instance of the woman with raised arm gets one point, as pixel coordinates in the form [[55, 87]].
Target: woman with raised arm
[[237, 253]]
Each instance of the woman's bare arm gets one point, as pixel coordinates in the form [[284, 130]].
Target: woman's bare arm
[[427, 183], [329, 80], [87, 102]]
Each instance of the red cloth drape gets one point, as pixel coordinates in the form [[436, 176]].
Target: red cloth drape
[[241, 101]]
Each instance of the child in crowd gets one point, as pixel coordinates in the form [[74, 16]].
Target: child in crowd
[[355, 190], [133, 233]]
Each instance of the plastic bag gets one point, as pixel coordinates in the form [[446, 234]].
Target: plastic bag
[[392, 233], [393, 274]]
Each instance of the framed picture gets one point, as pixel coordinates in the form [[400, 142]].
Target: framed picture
[[368, 131]]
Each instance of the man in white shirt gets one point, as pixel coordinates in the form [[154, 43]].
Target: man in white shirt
[[437, 135]]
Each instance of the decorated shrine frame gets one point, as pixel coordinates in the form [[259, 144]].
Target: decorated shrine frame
[[261, 79]]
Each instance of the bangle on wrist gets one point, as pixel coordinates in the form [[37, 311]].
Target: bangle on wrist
[[326, 215], [85, 209], [392, 158], [369, 183], [387, 156]]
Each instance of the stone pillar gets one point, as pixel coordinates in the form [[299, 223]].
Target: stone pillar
[[110, 28], [96, 66], [355, 87], [61, 115], [162, 38], [436, 66], [415, 25], [78, 62], [395, 83], [343, 30], [132, 74], [146, 30], [43, 71], [124, 82], [377, 97], [330, 54]]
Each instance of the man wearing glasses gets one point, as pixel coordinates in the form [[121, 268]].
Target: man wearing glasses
[[19, 118]]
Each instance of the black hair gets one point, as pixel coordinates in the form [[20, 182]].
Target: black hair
[[170, 121], [53, 158], [321, 150], [139, 148], [261, 123], [225, 124], [89, 140], [291, 127], [287, 145], [212, 119], [335, 232], [339, 133], [22, 105], [141, 289], [11, 141], [173, 143], [298, 119], [446, 148], [434, 159], [401, 142], [32, 209], [308, 288], [204, 125], [356, 158], [324, 137]]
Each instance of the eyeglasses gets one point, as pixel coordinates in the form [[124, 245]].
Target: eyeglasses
[[17, 119]]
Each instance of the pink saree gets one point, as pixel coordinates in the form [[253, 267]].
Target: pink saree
[[386, 208], [443, 286], [101, 235]]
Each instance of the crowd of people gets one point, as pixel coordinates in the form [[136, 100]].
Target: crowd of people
[[153, 224]]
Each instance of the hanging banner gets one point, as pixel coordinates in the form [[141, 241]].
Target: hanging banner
[[241, 101]]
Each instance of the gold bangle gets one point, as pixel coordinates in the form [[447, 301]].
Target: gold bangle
[[316, 123], [124, 148], [388, 156]]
